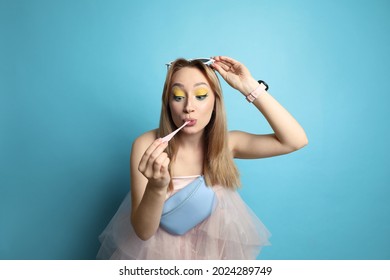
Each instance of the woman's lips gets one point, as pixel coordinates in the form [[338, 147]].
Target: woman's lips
[[192, 122]]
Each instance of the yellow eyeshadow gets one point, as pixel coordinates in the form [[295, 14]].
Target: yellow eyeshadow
[[178, 92], [201, 91]]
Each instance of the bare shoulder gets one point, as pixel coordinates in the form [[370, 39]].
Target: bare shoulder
[[142, 142]]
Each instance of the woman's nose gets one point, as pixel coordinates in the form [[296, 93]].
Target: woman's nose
[[189, 108]]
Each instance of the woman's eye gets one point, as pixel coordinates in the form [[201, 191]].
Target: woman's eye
[[178, 98], [201, 97]]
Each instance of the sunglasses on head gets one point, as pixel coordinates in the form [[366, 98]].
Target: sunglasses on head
[[205, 61]]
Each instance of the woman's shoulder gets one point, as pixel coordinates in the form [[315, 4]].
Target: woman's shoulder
[[145, 140]]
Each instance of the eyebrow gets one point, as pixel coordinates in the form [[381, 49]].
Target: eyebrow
[[195, 85], [201, 84], [177, 85]]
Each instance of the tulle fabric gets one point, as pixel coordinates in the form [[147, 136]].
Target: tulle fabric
[[232, 232]]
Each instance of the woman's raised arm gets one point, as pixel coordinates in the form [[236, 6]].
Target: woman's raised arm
[[288, 134]]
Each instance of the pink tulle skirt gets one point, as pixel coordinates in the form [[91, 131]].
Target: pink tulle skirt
[[232, 232]]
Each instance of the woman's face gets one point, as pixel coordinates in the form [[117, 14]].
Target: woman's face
[[191, 99]]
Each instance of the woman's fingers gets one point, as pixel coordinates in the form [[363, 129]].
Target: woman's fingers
[[165, 166], [224, 66], [220, 69], [145, 156], [154, 164], [151, 154], [227, 60], [157, 165], [234, 73]]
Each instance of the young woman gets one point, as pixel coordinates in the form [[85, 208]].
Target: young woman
[[202, 150]]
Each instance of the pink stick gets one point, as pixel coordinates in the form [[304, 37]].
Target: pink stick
[[170, 135]]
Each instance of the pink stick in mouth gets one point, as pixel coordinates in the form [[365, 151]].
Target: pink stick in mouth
[[170, 135]]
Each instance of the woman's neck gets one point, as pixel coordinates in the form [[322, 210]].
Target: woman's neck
[[189, 155], [191, 141]]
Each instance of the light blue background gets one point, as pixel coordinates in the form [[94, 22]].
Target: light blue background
[[80, 80]]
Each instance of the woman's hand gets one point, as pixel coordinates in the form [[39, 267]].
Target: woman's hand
[[149, 183], [235, 74], [154, 164]]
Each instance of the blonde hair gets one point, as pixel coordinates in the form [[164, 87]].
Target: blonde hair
[[218, 165]]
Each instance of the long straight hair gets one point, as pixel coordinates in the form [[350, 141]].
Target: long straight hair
[[218, 165]]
